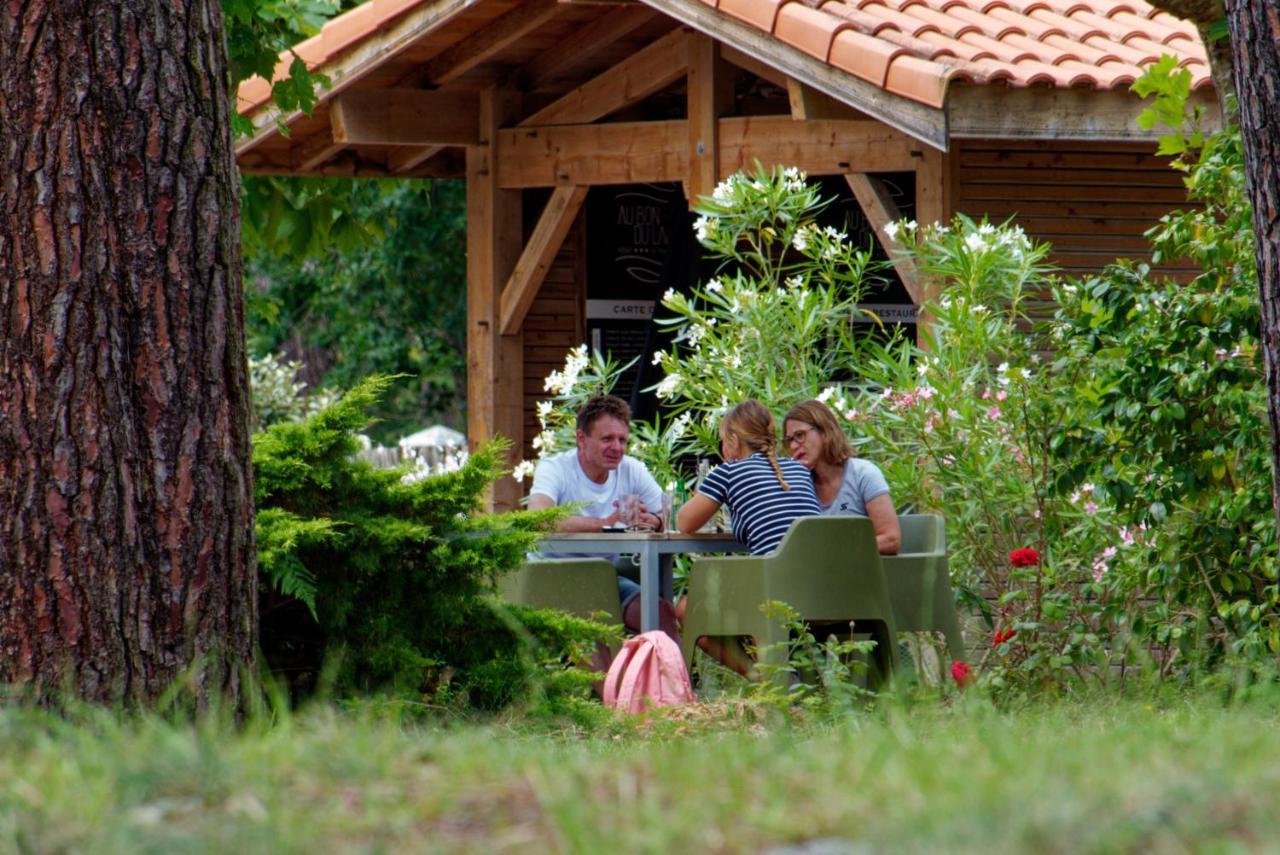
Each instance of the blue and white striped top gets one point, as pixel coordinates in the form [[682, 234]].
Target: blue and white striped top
[[761, 510]]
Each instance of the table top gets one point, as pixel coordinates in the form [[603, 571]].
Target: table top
[[626, 536]]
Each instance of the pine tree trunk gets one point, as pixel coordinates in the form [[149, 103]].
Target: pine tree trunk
[[126, 509], [1255, 43]]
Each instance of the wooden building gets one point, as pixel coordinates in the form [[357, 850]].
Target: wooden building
[[924, 107]]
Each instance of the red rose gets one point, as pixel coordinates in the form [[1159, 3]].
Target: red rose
[[1002, 635], [961, 673], [1024, 557]]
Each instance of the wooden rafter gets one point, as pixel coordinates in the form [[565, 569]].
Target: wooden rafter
[[589, 41], [747, 62], [638, 152], [410, 117], [317, 151], [556, 220], [880, 210], [406, 158], [809, 103], [632, 80], [490, 40]]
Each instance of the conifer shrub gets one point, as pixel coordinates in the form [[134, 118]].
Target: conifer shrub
[[387, 584]]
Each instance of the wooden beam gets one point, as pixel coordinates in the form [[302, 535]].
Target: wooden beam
[[634, 79], [809, 103], [1000, 112], [405, 117], [880, 210], [495, 363], [747, 62], [588, 42], [640, 152], [925, 123], [708, 98], [556, 220], [490, 40]]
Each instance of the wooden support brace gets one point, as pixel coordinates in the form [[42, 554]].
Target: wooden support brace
[[557, 218], [880, 210]]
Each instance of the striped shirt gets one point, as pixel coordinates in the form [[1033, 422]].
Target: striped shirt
[[761, 510]]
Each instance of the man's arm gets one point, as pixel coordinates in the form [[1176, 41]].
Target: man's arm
[[539, 501]]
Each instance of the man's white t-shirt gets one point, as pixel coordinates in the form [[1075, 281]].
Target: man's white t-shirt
[[561, 479]]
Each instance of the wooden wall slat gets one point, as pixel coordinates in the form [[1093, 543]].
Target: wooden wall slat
[[1092, 202]]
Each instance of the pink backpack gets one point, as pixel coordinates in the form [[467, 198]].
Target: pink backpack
[[647, 673]]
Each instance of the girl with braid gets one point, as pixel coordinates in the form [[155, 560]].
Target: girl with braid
[[764, 493]]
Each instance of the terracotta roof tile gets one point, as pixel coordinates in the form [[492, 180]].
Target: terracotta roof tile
[[913, 48], [761, 14]]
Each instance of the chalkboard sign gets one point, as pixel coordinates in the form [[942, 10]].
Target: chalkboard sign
[[639, 244]]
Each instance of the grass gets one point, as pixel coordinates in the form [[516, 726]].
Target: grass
[[1100, 776]]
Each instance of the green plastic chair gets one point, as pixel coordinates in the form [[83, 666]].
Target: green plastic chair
[[579, 586], [919, 581], [826, 568]]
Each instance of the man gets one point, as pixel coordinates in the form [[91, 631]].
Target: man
[[600, 474]]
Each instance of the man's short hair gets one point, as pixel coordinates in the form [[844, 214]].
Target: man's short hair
[[603, 405]]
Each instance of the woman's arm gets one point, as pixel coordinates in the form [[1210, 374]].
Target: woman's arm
[[884, 519], [694, 513]]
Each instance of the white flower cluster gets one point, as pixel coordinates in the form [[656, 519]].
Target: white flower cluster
[[524, 469], [793, 179], [667, 388], [705, 226], [562, 382], [907, 226]]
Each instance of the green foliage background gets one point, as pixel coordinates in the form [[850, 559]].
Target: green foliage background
[[380, 290]]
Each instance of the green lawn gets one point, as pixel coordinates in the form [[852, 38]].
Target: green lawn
[[1102, 776]]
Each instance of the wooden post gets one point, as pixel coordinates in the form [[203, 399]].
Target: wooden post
[[494, 362], [932, 206], [709, 98]]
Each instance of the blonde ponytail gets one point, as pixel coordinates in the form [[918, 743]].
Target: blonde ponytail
[[752, 423]]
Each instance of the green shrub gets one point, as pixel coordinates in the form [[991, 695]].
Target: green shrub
[[391, 579]]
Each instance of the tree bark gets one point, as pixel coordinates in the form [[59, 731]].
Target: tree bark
[[1255, 43], [127, 555]]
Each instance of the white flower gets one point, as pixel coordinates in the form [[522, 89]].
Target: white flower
[[891, 230], [795, 281], [680, 425], [923, 367], [1002, 368], [1026, 374], [657, 357], [669, 295], [544, 441], [910, 226], [704, 226], [544, 410], [523, 470], [715, 286], [667, 388], [735, 361], [825, 394], [986, 229], [975, 242], [800, 240]]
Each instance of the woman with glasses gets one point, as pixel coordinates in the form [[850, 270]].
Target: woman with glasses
[[845, 484]]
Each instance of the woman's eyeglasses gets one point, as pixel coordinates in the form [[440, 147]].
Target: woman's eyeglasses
[[797, 437]]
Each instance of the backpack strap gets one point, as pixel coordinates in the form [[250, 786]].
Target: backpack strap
[[639, 679]]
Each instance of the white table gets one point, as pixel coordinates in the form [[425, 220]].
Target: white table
[[655, 549]]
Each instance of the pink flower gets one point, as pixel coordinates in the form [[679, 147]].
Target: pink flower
[[1001, 395], [961, 673], [993, 413], [1090, 507]]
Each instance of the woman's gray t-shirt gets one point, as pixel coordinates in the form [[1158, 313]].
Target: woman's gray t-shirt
[[862, 482]]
